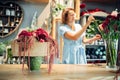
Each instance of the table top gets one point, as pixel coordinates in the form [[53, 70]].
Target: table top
[[59, 71]]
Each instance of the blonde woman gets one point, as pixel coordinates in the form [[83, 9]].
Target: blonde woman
[[73, 36]]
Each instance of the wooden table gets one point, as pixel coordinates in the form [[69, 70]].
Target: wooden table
[[59, 72]]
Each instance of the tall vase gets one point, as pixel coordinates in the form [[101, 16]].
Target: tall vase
[[111, 53]]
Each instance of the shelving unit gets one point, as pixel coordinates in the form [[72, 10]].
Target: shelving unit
[[11, 16], [95, 52]]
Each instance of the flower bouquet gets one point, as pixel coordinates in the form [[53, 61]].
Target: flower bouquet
[[30, 41], [110, 32]]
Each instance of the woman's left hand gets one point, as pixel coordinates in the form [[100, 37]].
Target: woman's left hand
[[97, 37]]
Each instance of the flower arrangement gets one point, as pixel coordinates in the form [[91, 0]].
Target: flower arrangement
[[110, 28], [27, 38], [110, 32]]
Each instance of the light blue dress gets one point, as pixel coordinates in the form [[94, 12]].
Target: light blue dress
[[73, 50]]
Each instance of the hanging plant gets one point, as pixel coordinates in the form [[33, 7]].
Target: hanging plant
[[57, 9]]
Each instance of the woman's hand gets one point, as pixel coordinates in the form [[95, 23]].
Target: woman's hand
[[97, 37], [91, 18], [100, 27], [91, 40]]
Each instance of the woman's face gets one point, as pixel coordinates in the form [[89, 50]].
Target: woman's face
[[71, 16]]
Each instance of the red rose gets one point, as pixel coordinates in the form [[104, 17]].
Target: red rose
[[105, 24], [82, 5]]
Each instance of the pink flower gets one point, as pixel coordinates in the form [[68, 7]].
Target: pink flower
[[114, 13], [42, 40]]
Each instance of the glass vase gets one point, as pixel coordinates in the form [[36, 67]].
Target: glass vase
[[111, 53]]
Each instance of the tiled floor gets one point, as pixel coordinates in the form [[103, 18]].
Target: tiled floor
[[59, 72]]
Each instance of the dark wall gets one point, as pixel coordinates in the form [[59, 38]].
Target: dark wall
[[108, 7]]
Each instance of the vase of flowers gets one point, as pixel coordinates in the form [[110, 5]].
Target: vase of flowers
[[109, 29], [111, 53]]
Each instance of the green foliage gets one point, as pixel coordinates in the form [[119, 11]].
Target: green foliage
[[93, 28], [56, 10], [2, 48], [9, 53], [29, 29]]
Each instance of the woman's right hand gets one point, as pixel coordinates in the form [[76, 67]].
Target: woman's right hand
[[91, 18]]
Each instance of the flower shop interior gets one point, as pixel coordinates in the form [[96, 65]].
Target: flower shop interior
[[21, 59]]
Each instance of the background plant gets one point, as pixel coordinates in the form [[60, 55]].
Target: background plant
[[3, 46]]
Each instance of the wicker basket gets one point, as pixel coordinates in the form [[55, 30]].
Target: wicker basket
[[37, 49]]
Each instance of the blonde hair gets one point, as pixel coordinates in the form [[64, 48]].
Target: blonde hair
[[65, 15]]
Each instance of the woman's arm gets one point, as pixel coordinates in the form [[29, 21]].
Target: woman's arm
[[75, 36], [90, 40]]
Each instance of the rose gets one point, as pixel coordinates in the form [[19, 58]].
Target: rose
[[108, 21], [82, 5]]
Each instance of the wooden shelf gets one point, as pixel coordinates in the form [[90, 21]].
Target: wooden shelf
[[11, 16], [101, 1], [37, 1]]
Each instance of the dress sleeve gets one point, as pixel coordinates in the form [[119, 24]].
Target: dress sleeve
[[78, 27], [62, 30]]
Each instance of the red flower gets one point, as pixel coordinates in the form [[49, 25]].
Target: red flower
[[105, 24], [41, 34], [83, 5], [115, 27], [118, 16], [25, 33]]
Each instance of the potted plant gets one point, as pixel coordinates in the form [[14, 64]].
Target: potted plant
[[2, 48], [2, 51]]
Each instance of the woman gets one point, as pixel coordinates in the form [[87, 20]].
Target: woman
[[73, 36]]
